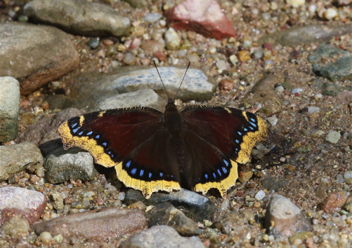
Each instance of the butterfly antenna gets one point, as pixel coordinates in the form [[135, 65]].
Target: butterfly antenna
[[161, 80], [183, 78]]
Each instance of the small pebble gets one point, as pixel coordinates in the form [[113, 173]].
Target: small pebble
[[233, 58], [279, 89], [93, 43], [129, 59], [273, 120], [297, 90], [152, 17], [121, 196], [172, 39], [330, 13], [295, 3], [333, 137], [222, 65], [244, 56], [258, 54], [46, 237], [58, 239], [260, 195], [313, 109], [348, 177]]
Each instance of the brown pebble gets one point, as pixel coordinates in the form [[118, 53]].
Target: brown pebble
[[244, 56], [108, 42], [160, 55], [268, 46], [138, 205], [333, 201], [226, 84], [244, 176]]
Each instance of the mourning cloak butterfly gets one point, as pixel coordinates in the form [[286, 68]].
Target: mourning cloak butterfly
[[196, 148]]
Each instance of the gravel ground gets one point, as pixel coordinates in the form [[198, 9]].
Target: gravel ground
[[307, 157]]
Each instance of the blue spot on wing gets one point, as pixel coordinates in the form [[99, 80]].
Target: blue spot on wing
[[161, 174], [105, 144], [97, 137], [225, 161], [141, 173], [133, 171], [90, 132], [239, 132], [80, 133], [128, 164], [73, 125], [206, 176], [150, 175], [224, 169], [75, 130]]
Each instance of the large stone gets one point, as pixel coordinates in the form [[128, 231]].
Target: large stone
[[35, 55], [99, 225], [18, 201], [15, 158], [9, 108], [78, 17]]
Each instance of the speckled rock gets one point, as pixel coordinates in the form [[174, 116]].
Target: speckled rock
[[36, 56], [61, 166], [46, 129], [337, 69], [202, 16], [334, 201], [167, 214], [81, 17], [163, 237], [9, 108], [99, 224], [17, 225], [306, 34], [18, 201], [139, 98], [283, 218], [16, 158]]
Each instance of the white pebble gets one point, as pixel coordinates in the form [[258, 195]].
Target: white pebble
[[152, 17], [313, 109], [172, 39], [297, 90], [273, 120], [333, 137], [296, 3], [222, 65], [260, 195], [121, 196], [279, 89], [46, 237], [330, 13], [348, 177]]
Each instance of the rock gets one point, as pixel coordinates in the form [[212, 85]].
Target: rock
[[152, 17], [98, 225], [16, 158], [348, 204], [61, 166], [160, 236], [202, 16], [273, 183], [17, 225], [333, 201], [137, 3], [172, 39], [45, 130], [340, 66], [9, 108], [200, 206], [260, 195], [229, 222], [150, 47], [333, 137], [139, 98], [18, 201], [296, 3], [348, 177], [306, 34], [283, 218], [90, 89], [36, 55], [167, 214], [81, 17]]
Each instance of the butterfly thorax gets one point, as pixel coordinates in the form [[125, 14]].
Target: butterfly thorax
[[172, 119]]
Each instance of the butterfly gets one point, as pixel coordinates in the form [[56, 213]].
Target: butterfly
[[195, 148]]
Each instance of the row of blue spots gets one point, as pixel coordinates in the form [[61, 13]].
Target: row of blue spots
[[141, 172], [224, 170]]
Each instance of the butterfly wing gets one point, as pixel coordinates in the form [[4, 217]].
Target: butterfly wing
[[227, 136], [124, 138]]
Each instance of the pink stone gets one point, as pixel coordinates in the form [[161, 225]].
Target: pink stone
[[202, 16], [18, 201]]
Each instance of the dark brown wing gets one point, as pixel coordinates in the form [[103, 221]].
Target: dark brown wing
[[225, 137]]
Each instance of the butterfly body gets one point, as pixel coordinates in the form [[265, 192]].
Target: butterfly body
[[196, 148]]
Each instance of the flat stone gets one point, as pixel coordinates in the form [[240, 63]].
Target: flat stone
[[200, 206], [45, 130], [283, 218], [334, 201], [81, 17], [16, 158], [202, 16], [139, 98], [62, 165], [306, 34], [33, 55], [9, 108], [98, 225], [167, 214], [18, 201], [161, 237]]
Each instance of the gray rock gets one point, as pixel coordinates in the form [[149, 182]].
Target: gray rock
[[139, 98], [161, 237], [90, 89], [16, 158], [46, 129], [306, 34], [333, 137], [229, 222], [167, 214], [78, 17], [9, 108], [18, 201], [98, 225], [200, 206], [61, 166], [337, 70], [273, 183], [152, 17], [33, 55], [286, 217]]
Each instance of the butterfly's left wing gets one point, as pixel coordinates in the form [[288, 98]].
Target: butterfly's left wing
[[227, 136]]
